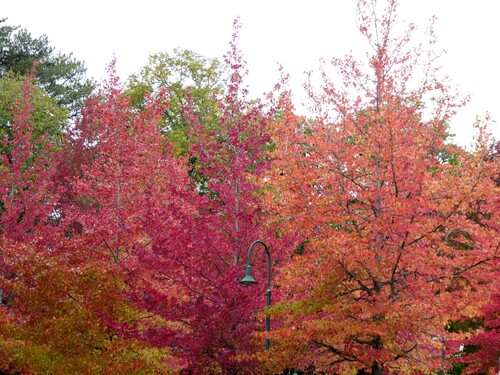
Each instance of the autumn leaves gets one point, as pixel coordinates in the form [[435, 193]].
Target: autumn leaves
[[382, 232]]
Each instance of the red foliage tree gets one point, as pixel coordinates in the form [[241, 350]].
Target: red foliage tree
[[196, 261], [27, 175], [54, 289], [231, 160], [482, 350], [117, 158], [177, 245]]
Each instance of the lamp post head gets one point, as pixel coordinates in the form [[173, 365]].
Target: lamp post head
[[248, 279]]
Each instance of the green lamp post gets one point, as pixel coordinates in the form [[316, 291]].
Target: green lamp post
[[249, 280]]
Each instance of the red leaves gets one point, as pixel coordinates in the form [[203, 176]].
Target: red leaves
[[389, 231], [176, 242], [26, 184], [485, 343]]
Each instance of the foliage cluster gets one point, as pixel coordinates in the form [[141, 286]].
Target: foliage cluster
[[124, 235]]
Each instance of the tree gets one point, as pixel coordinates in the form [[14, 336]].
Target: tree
[[188, 76], [219, 315], [60, 75], [52, 315], [382, 202], [132, 202], [118, 148], [53, 296], [28, 160], [178, 243], [484, 346], [233, 157], [480, 352], [48, 118]]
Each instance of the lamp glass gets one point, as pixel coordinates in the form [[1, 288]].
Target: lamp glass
[[248, 280]]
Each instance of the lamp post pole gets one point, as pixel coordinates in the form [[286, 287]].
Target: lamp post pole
[[443, 342], [249, 280], [442, 339]]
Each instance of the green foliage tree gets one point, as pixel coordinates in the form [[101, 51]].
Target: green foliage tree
[[189, 77], [60, 75], [47, 116]]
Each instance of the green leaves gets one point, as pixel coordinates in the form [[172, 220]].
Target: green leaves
[[192, 80], [48, 118], [127, 255]]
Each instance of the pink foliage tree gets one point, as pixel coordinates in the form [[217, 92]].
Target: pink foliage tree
[[28, 194]]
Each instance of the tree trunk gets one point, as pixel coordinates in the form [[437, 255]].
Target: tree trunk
[[376, 370]]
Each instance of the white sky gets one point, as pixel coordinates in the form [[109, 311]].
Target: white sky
[[292, 32]]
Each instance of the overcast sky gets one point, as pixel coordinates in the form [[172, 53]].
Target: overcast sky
[[294, 33]]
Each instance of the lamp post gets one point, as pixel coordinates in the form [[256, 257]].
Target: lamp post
[[249, 280]]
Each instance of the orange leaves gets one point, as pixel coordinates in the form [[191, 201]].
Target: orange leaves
[[53, 315], [392, 247], [381, 232]]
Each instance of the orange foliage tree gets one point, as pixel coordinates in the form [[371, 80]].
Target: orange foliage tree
[[397, 225]]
